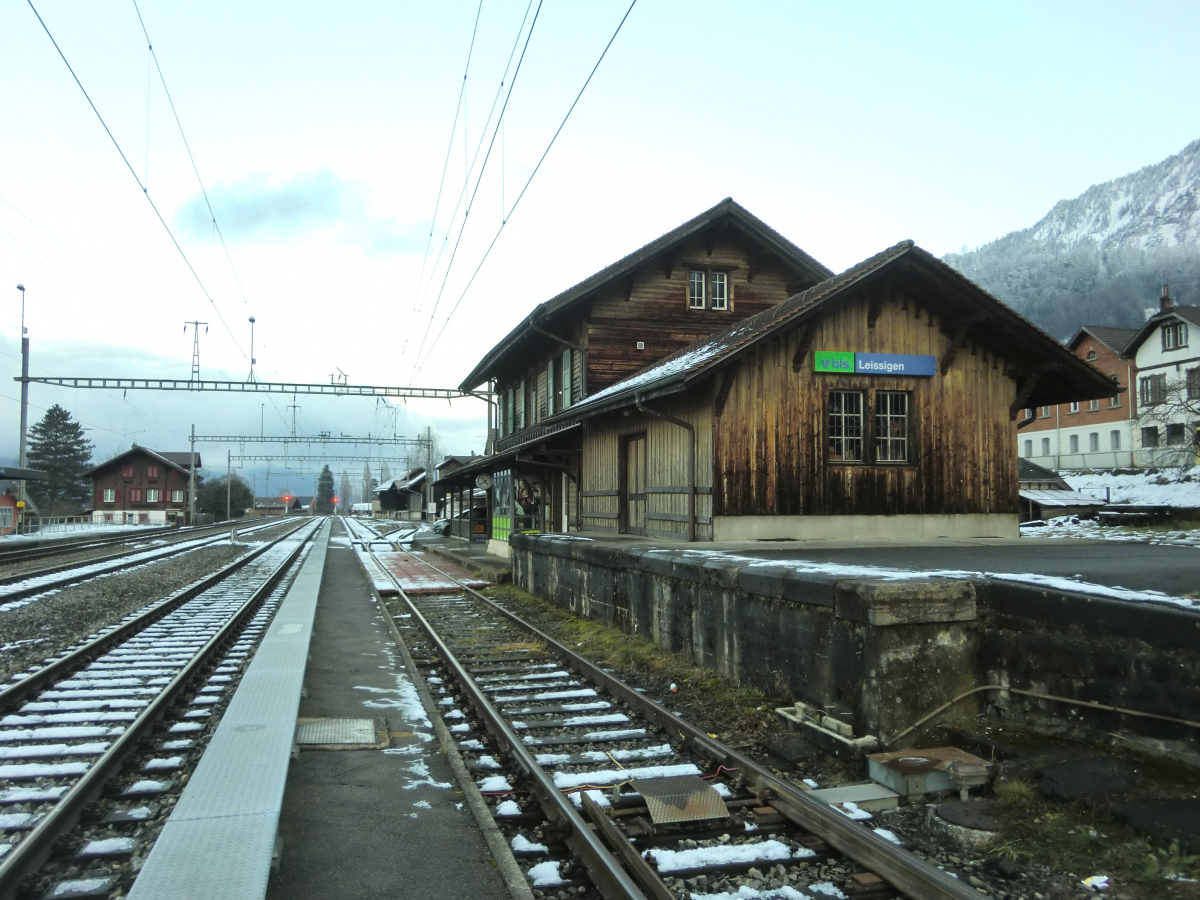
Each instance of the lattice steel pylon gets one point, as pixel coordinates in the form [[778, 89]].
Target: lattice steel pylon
[[195, 348]]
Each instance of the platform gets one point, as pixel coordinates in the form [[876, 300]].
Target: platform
[[372, 823], [417, 578], [471, 556], [220, 837]]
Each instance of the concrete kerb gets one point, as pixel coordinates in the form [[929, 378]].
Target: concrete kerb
[[510, 871]]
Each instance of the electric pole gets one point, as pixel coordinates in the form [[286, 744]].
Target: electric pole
[[24, 460], [195, 348]]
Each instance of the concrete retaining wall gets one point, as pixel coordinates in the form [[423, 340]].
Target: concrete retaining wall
[[888, 652]]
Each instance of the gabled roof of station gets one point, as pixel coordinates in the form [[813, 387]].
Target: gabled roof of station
[[1061, 376], [177, 461], [727, 212]]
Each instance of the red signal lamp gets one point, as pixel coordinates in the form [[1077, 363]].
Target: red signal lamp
[[335, 499]]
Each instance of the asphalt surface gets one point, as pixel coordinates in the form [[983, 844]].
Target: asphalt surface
[[1135, 565], [359, 824]]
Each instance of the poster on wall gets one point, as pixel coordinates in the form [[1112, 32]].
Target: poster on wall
[[529, 497]]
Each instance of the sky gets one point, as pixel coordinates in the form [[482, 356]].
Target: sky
[[321, 132]]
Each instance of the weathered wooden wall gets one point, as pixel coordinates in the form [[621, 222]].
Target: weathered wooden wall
[[770, 441], [666, 447], [656, 310]]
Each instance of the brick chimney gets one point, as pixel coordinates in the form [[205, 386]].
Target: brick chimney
[[1165, 302]]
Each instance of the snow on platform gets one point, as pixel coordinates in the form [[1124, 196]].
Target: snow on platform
[[416, 577]]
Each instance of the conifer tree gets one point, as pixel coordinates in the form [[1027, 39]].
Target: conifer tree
[[325, 492], [57, 445]]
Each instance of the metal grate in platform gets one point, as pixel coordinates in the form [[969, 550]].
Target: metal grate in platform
[[339, 734]]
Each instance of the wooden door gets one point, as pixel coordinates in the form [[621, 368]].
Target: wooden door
[[633, 484]]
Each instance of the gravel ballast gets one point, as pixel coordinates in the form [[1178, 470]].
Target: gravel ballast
[[29, 634]]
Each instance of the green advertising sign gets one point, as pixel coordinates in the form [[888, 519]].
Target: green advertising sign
[[833, 361]]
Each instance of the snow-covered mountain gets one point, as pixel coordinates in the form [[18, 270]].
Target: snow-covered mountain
[[1102, 257]]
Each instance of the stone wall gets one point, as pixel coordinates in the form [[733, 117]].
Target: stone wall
[[889, 652], [886, 652]]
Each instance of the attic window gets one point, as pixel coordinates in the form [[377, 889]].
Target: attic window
[[708, 288], [1174, 336], [151, 471], [126, 471], [696, 290], [1091, 355]]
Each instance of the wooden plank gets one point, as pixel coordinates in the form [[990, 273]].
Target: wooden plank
[[612, 493]]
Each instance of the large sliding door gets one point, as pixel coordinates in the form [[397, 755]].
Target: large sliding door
[[633, 484]]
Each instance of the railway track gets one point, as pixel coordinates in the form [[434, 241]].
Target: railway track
[[23, 585], [95, 746], [603, 791], [63, 546]]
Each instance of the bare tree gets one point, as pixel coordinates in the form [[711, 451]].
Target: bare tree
[[1170, 420]]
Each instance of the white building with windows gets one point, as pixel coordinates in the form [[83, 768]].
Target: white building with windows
[[1167, 363]]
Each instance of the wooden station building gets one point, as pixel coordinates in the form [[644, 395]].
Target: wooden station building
[[720, 384]]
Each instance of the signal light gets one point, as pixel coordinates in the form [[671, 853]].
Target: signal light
[[335, 499]]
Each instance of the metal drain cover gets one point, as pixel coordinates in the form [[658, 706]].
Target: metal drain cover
[[977, 814], [681, 798], [341, 734]]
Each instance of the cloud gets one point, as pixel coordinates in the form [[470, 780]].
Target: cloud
[[305, 204]]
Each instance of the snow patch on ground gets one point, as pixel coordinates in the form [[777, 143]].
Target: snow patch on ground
[[1141, 488], [723, 854]]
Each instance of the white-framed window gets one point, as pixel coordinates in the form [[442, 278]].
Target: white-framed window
[[1073, 443], [1044, 412], [151, 495], [1094, 442], [1028, 449], [1091, 355], [1074, 408], [719, 290], [567, 376], [176, 496], [1114, 440], [1094, 406], [846, 426], [6, 517], [1174, 335], [110, 495], [696, 289], [891, 426], [1045, 446]]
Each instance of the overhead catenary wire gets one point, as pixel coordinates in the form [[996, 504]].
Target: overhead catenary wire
[[462, 195], [188, 147], [134, 173], [458, 109], [478, 182], [516, 202]]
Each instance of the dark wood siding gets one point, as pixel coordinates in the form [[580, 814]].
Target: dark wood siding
[[770, 442], [656, 311]]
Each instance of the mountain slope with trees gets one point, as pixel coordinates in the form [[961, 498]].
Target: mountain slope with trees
[[1102, 257]]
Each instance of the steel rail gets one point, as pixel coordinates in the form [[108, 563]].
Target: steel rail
[[609, 876], [37, 846], [56, 546], [13, 578], [85, 653], [907, 873]]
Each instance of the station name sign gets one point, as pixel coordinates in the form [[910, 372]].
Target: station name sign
[[839, 363]]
